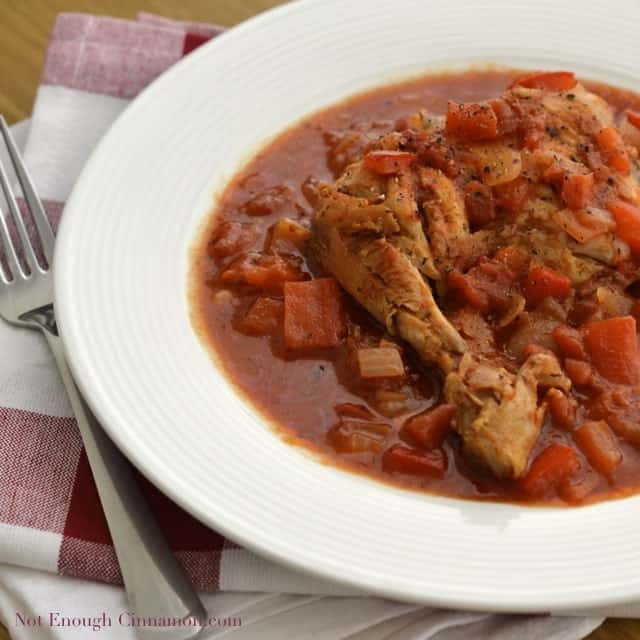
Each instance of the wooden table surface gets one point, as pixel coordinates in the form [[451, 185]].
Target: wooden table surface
[[24, 31]]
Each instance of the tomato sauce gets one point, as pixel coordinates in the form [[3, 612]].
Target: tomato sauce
[[298, 394]]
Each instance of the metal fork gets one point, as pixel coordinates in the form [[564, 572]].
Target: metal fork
[[156, 584]]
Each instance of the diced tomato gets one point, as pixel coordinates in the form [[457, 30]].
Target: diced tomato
[[579, 371], [543, 282], [600, 446], [577, 189], [388, 162], [633, 117], [478, 200], [569, 342], [578, 486], [508, 120], [511, 196], [613, 150], [549, 80], [349, 436], [474, 121], [263, 318], [562, 409], [401, 459], [352, 410], [313, 315], [430, 428], [230, 238], [619, 406], [627, 217], [613, 347], [552, 466], [486, 286], [262, 271], [268, 201]]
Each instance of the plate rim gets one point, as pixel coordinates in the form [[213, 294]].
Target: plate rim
[[65, 308]]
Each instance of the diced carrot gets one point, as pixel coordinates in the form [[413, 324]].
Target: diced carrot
[[474, 121], [349, 436], [579, 371], [401, 459], [430, 428], [613, 347], [352, 410], [262, 271], [543, 282], [388, 162], [633, 117], [511, 196], [263, 318], [554, 464], [613, 150], [478, 200], [600, 445], [577, 189], [569, 342], [549, 80], [313, 315], [627, 217], [562, 409], [379, 362]]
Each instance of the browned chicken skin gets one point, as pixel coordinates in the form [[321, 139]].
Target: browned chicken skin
[[390, 236]]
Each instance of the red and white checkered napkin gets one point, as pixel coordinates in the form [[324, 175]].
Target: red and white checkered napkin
[[50, 515]]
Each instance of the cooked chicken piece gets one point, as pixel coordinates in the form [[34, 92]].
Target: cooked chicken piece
[[384, 280], [499, 418], [445, 216]]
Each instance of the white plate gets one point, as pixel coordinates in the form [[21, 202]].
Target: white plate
[[121, 275]]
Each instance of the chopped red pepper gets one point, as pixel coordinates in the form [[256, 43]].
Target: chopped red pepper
[[613, 150], [543, 282], [613, 347], [430, 428], [388, 162], [634, 118], [475, 121], [577, 189], [401, 459], [552, 466], [627, 217], [549, 80]]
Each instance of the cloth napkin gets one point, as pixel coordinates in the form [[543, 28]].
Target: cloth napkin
[[50, 515]]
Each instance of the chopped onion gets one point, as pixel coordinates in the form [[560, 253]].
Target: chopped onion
[[380, 362]]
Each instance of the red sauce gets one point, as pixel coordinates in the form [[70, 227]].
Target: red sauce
[[298, 394]]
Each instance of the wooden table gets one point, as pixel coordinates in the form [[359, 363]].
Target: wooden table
[[24, 31]]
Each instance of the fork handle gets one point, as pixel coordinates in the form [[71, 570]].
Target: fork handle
[[156, 585]]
